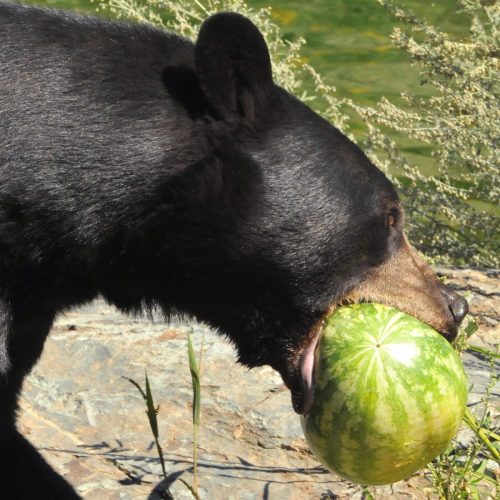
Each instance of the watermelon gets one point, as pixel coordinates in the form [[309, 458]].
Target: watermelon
[[389, 394]]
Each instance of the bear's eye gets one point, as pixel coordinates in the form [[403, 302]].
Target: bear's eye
[[392, 218]]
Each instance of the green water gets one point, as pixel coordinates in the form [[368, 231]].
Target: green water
[[348, 42]]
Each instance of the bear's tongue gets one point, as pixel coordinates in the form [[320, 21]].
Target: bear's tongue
[[307, 374]]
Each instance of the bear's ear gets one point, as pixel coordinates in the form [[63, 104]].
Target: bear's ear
[[233, 65]]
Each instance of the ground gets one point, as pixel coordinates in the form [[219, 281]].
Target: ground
[[90, 423]]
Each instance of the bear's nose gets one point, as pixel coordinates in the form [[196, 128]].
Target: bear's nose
[[457, 304]]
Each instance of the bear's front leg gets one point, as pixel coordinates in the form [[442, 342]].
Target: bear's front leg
[[24, 474]]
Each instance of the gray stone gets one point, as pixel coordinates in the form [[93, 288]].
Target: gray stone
[[89, 421]]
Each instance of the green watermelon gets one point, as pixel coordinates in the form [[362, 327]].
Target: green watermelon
[[389, 394]]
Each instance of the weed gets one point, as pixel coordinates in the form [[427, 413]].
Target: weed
[[195, 369], [466, 472], [152, 413]]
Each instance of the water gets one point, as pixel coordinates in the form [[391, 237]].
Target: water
[[348, 42]]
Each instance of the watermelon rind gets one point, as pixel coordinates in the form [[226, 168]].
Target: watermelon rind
[[389, 394]]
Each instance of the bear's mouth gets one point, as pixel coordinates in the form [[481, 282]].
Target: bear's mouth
[[301, 383], [301, 379], [302, 402]]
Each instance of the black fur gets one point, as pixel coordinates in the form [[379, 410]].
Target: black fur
[[157, 173]]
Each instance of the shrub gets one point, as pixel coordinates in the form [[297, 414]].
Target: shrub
[[451, 214]]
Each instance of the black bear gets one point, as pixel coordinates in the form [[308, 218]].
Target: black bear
[[156, 172]]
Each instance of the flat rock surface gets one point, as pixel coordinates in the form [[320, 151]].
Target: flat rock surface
[[89, 421]]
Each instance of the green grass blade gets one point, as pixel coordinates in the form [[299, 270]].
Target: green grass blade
[[471, 421], [471, 328], [190, 488], [195, 377], [194, 367], [482, 350], [151, 411], [137, 386]]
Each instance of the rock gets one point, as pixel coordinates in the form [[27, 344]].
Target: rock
[[89, 421]]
